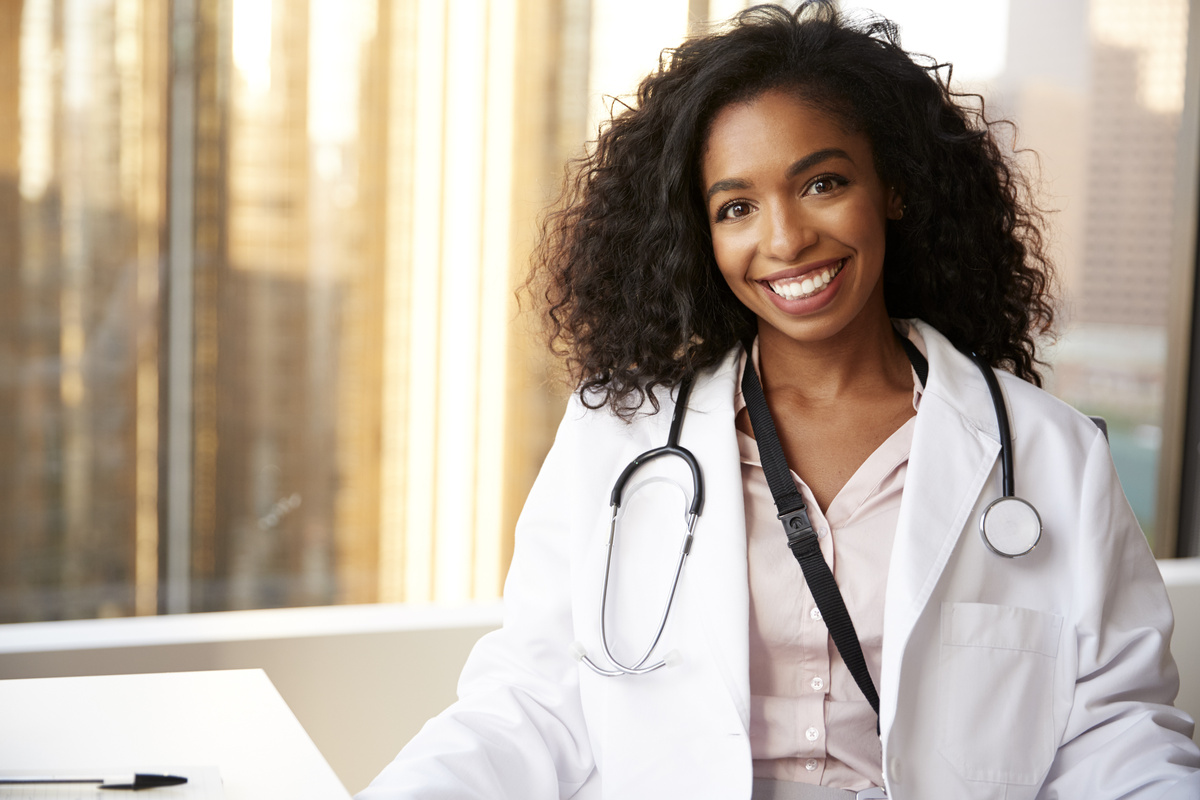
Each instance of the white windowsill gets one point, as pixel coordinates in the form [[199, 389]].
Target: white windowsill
[[224, 626]]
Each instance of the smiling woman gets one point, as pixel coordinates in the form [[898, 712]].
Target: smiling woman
[[967, 221], [805, 260]]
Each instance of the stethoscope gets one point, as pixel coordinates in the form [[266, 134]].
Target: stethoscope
[[671, 448], [1010, 526]]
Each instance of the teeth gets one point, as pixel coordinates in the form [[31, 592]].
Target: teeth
[[794, 289]]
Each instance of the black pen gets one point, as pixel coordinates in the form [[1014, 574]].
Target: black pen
[[140, 780]]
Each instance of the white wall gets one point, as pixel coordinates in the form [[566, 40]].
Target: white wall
[[1182, 577], [363, 679]]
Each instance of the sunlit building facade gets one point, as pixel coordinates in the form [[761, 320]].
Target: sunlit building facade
[[81, 177]]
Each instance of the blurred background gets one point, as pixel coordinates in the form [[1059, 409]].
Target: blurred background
[[259, 345]]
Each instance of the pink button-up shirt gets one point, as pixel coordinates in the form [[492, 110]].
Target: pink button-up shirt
[[809, 722]]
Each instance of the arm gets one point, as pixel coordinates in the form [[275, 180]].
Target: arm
[[517, 730], [1123, 737]]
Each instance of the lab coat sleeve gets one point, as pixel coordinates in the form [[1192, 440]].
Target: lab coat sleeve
[[517, 730], [1123, 738]]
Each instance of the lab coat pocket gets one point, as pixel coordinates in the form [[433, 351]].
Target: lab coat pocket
[[996, 676]]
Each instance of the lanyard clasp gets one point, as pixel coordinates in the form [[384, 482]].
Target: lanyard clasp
[[800, 535]]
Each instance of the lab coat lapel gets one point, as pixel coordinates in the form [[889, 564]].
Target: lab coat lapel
[[953, 453], [717, 577]]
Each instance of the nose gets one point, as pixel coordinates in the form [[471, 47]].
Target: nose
[[788, 232]]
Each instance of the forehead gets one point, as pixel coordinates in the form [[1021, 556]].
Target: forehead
[[775, 128]]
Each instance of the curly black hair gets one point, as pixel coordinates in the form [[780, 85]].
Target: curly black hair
[[625, 262]]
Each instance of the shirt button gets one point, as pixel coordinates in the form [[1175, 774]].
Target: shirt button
[[818, 684], [811, 734], [815, 614], [811, 765]]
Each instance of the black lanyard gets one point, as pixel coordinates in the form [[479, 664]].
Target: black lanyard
[[802, 539]]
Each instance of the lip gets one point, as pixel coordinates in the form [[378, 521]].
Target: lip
[[806, 305]]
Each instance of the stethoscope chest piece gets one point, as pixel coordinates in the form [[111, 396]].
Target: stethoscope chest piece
[[1010, 527]]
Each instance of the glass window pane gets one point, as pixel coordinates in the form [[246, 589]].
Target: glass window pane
[[1096, 89], [259, 356], [80, 211]]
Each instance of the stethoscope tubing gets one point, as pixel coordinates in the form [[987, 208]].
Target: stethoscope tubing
[[1008, 482], [697, 503]]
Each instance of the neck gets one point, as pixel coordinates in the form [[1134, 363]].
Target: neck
[[867, 359]]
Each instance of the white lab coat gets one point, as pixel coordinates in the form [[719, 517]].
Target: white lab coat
[[1046, 676]]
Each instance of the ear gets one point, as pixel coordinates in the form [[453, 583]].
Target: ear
[[895, 204]]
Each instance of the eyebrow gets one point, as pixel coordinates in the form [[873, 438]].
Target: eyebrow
[[806, 163]]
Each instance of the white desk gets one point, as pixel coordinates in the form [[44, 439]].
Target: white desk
[[232, 719]]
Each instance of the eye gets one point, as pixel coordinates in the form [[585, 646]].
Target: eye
[[734, 209], [825, 184]]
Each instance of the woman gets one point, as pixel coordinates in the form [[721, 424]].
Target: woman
[[795, 200]]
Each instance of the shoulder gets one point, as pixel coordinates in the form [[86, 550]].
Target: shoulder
[[1034, 414], [594, 445], [711, 390]]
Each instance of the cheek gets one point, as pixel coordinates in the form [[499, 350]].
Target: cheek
[[731, 259], [863, 225]]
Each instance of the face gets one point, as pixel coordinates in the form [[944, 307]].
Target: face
[[798, 217]]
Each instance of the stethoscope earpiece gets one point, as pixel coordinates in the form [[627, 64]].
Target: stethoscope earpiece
[[579, 653]]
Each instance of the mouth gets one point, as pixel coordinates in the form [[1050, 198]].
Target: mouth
[[809, 284]]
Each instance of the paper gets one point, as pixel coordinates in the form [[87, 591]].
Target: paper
[[204, 783]]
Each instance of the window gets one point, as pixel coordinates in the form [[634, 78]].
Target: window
[[1096, 88], [258, 284], [259, 345]]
